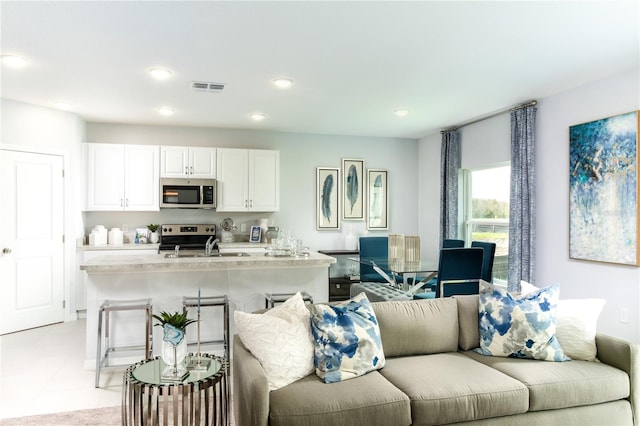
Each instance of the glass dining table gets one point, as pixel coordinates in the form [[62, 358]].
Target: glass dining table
[[402, 274]]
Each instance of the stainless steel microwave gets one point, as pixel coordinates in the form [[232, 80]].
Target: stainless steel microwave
[[188, 193]]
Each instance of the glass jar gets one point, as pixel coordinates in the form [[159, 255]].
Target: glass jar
[[272, 233]]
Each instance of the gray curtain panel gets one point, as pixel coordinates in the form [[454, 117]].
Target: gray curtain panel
[[449, 167], [522, 214]]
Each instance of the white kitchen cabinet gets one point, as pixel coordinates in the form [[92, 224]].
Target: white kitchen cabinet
[[248, 180], [187, 162], [122, 177]]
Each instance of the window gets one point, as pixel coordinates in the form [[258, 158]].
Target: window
[[486, 207]]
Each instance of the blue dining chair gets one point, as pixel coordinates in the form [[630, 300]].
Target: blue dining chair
[[459, 271], [372, 247], [487, 259], [446, 243], [452, 243]]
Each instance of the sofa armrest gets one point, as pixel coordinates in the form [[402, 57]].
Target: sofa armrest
[[250, 387], [625, 356]]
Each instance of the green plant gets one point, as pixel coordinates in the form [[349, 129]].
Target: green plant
[[177, 319], [152, 227]]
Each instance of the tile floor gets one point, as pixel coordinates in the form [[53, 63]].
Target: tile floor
[[42, 371]]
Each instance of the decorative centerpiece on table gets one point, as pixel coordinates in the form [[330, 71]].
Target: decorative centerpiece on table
[[174, 344], [153, 233]]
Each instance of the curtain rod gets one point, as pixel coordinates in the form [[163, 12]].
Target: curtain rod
[[515, 108]]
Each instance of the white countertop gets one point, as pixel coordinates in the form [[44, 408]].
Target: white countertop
[[158, 262]]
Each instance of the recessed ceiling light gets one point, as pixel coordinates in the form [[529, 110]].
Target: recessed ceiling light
[[160, 73], [401, 112], [63, 105], [258, 116], [166, 111], [283, 83], [13, 61]]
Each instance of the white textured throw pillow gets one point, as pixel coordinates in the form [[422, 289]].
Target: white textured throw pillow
[[577, 321], [280, 339], [576, 328]]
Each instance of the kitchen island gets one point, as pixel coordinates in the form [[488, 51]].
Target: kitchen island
[[244, 279]]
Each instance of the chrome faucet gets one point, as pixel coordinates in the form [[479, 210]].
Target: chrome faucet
[[177, 250], [209, 245]]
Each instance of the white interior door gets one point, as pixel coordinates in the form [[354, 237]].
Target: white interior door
[[31, 240]]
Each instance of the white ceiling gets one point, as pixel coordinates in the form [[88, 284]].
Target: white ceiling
[[353, 63]]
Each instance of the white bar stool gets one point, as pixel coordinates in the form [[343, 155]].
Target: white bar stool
[[270, 299], [102, 357], [213, 301]]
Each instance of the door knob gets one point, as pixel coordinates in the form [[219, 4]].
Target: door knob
[[6, 250]]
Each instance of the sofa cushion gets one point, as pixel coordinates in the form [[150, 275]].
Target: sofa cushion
[[426, 326], [558, 385], [450, 387], [469, 338], [520, 327], [280, 339], [346, 338], [367, 400]]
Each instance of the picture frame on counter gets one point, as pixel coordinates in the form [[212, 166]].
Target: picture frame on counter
[[353, 189], [378, 199], [255, 235], [327, 198]]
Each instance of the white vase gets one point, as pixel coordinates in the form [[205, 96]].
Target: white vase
[[154, 237], [181, 352]]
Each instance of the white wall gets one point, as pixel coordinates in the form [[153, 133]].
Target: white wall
[[487, 143], [619, 285], [36, 129], [300, 154]]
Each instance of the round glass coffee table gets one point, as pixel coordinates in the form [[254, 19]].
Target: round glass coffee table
[[200, 398]]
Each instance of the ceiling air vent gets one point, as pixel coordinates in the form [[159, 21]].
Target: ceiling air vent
[[203, 86]]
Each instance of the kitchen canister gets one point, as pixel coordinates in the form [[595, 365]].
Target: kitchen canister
[[100, 237], [115, 236]]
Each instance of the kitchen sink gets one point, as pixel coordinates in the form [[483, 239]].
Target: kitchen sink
[[184, 256]]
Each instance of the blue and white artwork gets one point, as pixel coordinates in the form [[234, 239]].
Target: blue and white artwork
[[353, 189], [327, 198], [603, 190]]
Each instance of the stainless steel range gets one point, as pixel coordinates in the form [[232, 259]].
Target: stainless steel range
[[188, 237]]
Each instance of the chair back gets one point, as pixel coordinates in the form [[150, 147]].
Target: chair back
[[372, 247], [487, 259], [459, 271], [449, 243]]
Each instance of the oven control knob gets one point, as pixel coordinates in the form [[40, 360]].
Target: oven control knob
[[207, 230]]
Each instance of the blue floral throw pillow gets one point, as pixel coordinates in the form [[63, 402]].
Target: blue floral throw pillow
[[347, 339], [519, 327]]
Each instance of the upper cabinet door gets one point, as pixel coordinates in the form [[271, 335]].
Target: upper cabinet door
[[202, 163], [174, 161], [142, 183], [105, 177], [123, 177], [232, 167], [264, 180], [187, 162]]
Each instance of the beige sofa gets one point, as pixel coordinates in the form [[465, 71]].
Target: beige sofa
[[433, 377]]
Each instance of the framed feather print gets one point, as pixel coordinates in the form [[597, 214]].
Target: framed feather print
[[352, 189], [327, 198], [378, 199]]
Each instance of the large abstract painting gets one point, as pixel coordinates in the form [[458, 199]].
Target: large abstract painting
[[603, 190]]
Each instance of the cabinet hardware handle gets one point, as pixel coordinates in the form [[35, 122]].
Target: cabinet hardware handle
[[186, 170], [126, 202], [121, 202], [6, 250], [191, 169]]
